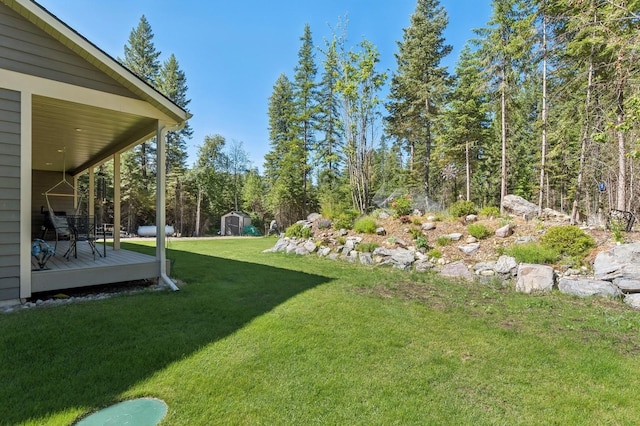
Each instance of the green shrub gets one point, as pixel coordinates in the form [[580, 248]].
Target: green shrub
[[490, 211], [462, 208], [435, 253], [443, 241], [416, 221], [568, 240], [415, 233], [422, 243], [297, 230], [367, 247], [345, 219], [532, 253], [306, 233], [478, 230], [365, 225], [401, 206]]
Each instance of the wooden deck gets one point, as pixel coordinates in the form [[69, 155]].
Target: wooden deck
[[117, 266]]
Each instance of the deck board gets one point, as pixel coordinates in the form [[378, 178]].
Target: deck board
[[117, 266]]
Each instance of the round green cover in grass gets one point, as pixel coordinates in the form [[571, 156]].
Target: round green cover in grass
[[138, 412]]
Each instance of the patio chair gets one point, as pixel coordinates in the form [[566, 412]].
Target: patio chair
[[83, 229], [61, 228]]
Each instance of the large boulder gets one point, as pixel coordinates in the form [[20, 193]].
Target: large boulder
[[622, 261], [534, 278], [518, 206], [633, 300], [627, 286], [586, 287], [506, 265]]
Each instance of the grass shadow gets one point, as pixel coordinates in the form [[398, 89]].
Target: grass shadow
[[86, 355]]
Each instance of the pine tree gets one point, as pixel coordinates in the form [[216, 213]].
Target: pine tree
[[141, 57], [418, 88], [466, 118], [506, 47], [328, 149], [306, 106], [172, 83], [286, 157]]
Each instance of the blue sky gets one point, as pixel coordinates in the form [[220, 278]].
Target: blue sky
[[232, 52]]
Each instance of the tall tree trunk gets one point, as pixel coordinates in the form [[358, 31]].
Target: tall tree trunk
[[468, 165], [543, 154], [198, 204], [583, 144], [503, 161], [620, 136]]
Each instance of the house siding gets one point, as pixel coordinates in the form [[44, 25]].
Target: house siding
[[9, 194], [26, 49]]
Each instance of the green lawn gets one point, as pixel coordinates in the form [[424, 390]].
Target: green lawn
[[274, 339]]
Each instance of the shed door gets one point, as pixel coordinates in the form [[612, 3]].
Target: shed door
[[232, 225]]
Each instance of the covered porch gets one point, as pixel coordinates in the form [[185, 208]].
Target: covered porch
[[85, 270], [70, 109]]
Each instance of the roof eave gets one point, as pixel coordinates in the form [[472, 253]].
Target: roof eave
[[73, 40]]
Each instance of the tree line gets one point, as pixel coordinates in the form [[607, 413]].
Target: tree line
[[543, 102]]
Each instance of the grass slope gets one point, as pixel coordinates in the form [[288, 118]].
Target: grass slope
[[257, 338]]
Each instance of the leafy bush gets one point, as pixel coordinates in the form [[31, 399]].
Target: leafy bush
[[422, 243], [416, 221], [462, 208], [345, 219], [401, 206], [478, 230], [365, 225], [367, 247], [297, 230], [490, 211], [532, 253], [306, 233], [567, 240]]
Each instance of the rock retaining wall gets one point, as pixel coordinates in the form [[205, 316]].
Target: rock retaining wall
[[616, 271]]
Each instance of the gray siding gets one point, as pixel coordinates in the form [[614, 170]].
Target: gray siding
[[9, 194], [27, 49]]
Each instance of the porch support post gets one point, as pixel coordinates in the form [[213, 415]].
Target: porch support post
[[161, 254], [25, 194], [91, 202], [116, 201]]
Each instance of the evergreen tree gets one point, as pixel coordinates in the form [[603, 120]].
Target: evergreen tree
[[306, 106], [506, 46], [329, 158], [418, 88], [286, 158], [328, 149], [141, 57], [466, 118], [172, 83]]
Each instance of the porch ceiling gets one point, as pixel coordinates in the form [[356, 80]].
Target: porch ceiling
[[88, 135]]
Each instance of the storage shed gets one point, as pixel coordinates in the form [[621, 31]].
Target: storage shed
[[233, 223]]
